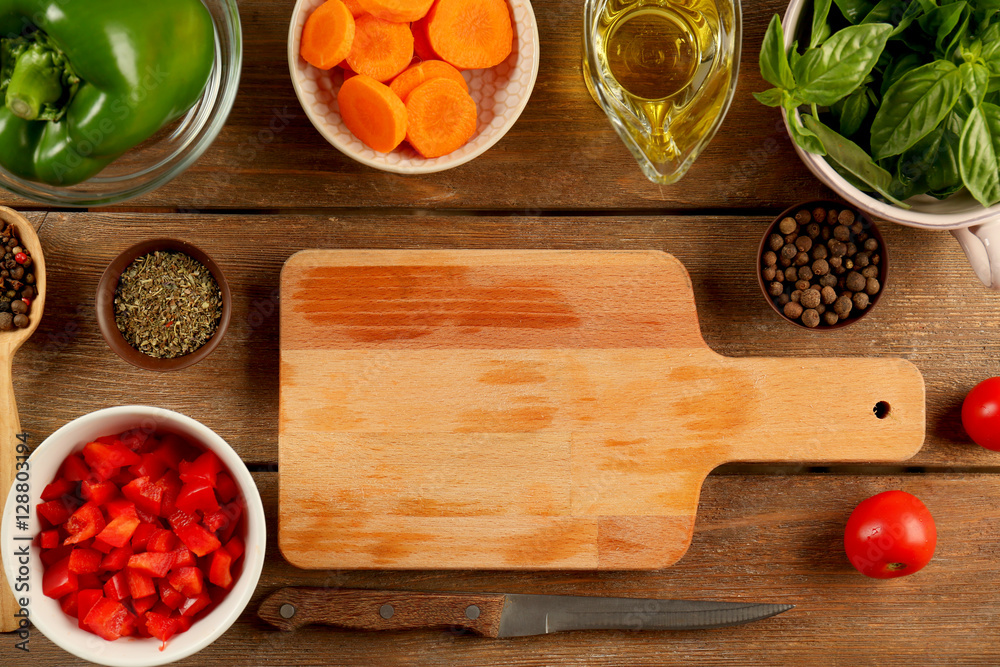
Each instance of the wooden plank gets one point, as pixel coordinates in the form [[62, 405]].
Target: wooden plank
[[934, 311], [757, 538], [562, 153]]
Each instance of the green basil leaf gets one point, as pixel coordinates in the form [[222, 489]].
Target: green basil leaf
[[773, 60], [770, 98], [889, 11], [913, 106], [946, 174], [915, 165], [946, 45], [977, 154], [801, 135], [852, 158], [939, 22], [897, 68], [855, 10], [820, 28], [947, 192], [854, 111], [793, 55], [841, 64], [975, 81]]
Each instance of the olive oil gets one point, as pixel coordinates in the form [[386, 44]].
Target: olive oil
[[664, 72]]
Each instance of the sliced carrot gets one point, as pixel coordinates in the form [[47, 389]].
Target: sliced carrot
[[372, 112], [421, 45], [381, 49], [441, 117], [328, 35], [397, 11], [415, 75], [470, 34], [355, 7]]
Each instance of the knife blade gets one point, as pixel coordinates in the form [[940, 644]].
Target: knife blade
[[498, 614]]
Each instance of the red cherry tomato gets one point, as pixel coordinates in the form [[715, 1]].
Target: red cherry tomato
[[891, 534], [981, 414]]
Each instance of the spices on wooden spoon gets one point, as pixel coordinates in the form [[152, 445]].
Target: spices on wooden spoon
[[167, 304], [18, 281]]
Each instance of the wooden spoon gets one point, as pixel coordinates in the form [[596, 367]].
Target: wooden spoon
[[10, 425]]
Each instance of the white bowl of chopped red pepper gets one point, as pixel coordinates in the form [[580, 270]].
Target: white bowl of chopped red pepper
[[155, 575]]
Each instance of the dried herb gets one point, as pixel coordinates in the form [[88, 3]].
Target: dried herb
[[167, 304]]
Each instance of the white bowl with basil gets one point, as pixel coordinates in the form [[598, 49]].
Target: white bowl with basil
[[907, 115]]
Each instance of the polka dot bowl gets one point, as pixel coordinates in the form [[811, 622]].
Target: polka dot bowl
[[500, 92]]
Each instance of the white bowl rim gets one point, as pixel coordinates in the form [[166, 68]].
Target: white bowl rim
[[822, 170], [228, 610], [294, 38]]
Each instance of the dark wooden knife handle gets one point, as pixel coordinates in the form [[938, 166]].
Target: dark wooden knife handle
[[365, 609]]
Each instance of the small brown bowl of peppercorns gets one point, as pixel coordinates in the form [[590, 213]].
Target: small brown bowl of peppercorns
[[822, 265], [163, 305]]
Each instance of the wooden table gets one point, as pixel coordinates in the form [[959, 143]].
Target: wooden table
[[271, 186]]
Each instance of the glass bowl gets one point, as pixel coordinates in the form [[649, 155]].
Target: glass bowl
[[171, 150]]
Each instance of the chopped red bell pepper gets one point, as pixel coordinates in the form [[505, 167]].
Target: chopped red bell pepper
[[183, 622], [188, 581], [161, 626], [74, 469], [151, 466], [171, 484], [102, 546], [144, 494], [152, 563], [219, 571], [180, 518], [193, 605], [86, 599], [85, 523], [108, 619], [59, 488], [235, 547], [173, 449], [58, 580], [170, 596], [98, 492], [162, 541], [99, 455], [197, 495], [52, 556], [70, 602], [137, 440], [89, 580], [215, 521], [119, 507], [49, 539], [108, 439], [183, 558], [202, 469], [116, 587], [226, 487], [85, 561], [141, 536], [140, 584], [56, 512], [120, 530], [197, 539], [117, 559], [233, 511], [142, 605]]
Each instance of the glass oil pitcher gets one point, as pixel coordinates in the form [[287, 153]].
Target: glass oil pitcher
[[664, 72]]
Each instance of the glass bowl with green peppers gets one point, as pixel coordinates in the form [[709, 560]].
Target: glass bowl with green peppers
[[105, 100]]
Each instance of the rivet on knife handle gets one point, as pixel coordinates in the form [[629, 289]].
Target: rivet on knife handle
[[362, 609]]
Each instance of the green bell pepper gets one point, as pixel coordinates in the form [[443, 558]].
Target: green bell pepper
[[83, 81]]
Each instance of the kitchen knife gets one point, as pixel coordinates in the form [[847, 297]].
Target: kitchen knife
[[498, 614]]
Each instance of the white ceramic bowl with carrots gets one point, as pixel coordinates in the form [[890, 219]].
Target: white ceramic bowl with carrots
[[500, 94]]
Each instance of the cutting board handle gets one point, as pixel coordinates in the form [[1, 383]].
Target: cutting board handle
[[835, 410]]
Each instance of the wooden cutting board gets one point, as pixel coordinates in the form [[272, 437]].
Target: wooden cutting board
[[536, 409]]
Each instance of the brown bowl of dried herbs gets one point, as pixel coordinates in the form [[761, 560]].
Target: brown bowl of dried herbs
[[163, 305]]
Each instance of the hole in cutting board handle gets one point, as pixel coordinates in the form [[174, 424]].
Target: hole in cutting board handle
[[881, 409]]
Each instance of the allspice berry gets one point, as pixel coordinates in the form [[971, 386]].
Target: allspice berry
[[829, 280], [21, 321], [787, 225], [775, 288], [804, 243], [789, 251], [17, 307], [830, 317], [819, 215], [803, 217], [846, 217], [843, 306], [791, 274], [775, 242], [841, 233], [801, 259], [855, 282], [810, 299], [792, 310], [802, 285], [782, 300], [6, 321], [769, 273], [870, 271], [820, 267], [796, 295], [820, 252], [810, 318], [805, 273], [812, 230], [828, 295], [871, 245], [860, 300], [770, 259], [872, 286]]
